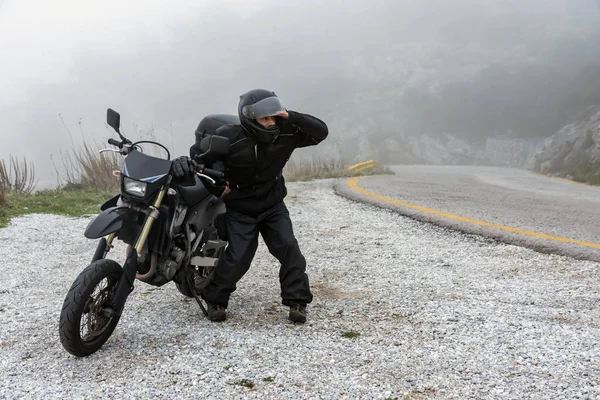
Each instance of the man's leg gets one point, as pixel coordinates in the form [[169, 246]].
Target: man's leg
[[277, 232], [241, 247]]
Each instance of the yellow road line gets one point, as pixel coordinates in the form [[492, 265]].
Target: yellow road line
[[353, 185]]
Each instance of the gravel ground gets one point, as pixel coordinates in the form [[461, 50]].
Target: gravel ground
[[432, 313]]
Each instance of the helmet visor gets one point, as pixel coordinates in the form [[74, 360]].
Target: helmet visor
[[264, 108]]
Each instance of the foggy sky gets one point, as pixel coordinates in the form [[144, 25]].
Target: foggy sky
[[164, 65]]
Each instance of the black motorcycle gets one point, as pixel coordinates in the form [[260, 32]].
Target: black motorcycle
[[171, 234]]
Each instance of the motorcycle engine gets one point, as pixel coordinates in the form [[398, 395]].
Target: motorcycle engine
[[168, 266]]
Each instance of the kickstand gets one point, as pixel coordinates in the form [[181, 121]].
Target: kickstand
[[192, 287]]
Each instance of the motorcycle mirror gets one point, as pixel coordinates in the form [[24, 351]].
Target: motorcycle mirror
[[113, 119]]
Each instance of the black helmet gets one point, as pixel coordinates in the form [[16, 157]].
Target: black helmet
[[255, 104]]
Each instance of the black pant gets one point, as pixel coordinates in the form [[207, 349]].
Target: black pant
[[275, 227]]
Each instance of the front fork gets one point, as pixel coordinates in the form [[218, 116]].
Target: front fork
[[125, 284], [104, 246], [105, 243]]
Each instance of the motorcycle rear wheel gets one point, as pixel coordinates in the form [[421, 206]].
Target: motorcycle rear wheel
[[204, 275], [184, 289], [85, 323], [200, 281]]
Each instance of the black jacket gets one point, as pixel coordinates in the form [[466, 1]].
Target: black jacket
[[253, 169]]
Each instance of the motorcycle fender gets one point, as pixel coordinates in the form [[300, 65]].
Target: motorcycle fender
[[109, 221]]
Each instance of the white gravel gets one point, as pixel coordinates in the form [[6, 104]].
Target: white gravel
[[439, 315]]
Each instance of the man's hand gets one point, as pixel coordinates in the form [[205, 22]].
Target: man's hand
[[226, 191], [283, 114], [181, 167]]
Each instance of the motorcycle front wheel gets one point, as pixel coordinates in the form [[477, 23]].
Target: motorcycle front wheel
[[86, 322]]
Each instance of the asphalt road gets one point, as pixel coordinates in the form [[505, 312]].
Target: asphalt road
[[514, 206]]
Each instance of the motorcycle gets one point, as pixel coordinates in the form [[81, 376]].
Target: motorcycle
[[171, 230]]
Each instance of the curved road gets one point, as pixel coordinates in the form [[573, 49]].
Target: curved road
[[515, 206]]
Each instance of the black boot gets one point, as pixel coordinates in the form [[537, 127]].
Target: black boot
[[298, 313], [215, 312]]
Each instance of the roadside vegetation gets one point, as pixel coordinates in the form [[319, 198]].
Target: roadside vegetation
[[588, 173], [589, 178], [87, 181], [578, 167], [318, 168], [71, 202]]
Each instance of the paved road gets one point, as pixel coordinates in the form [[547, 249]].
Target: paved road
[[514, 206]]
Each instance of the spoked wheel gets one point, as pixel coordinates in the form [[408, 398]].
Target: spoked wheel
[[86, 321]]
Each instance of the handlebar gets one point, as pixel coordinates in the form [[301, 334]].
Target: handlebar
[[213, 173], [115, 142]]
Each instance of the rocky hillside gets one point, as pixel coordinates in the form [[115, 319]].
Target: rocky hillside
[[574, 151]]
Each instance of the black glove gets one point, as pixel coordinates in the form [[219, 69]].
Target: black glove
[[181, 167]]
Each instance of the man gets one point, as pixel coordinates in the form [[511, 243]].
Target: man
[[259, 149]]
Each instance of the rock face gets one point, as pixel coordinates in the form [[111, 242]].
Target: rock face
[[510, 152], [442, 149], [575, 149]]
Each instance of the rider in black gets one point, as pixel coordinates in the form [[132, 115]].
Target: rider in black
[[259, 149]]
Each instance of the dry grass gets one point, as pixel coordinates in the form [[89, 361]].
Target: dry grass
[[96, 169], [17, 176], [3, 180], [85, 168]]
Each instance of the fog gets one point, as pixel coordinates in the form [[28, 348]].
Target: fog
[[378, 72]]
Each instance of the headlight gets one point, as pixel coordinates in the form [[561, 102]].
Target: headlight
[[134, 188]]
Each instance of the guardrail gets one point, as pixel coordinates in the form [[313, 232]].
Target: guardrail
[[363, 165]]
